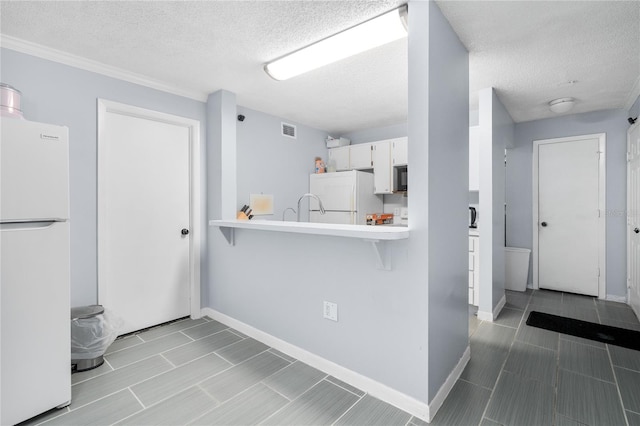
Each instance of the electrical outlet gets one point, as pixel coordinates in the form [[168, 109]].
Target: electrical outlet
[[396, 211], [330, 311]]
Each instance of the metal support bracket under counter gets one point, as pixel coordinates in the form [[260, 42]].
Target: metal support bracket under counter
[[379, 237]]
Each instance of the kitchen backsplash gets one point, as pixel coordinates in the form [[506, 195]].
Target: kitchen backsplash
[[394, 201]]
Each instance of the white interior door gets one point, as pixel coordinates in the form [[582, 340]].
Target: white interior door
[[633, 218], [144, 206], [568, 228]]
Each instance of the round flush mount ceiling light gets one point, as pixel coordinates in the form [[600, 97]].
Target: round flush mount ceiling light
[[561, 105]]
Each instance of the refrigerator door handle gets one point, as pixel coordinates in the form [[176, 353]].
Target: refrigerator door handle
[[353, 198], [25, 226]]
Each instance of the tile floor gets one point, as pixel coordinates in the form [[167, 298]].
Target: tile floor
[[202, 372], [521, 375]]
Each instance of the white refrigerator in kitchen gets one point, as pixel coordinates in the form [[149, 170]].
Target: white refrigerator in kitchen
[[35, 347], [347, 197]]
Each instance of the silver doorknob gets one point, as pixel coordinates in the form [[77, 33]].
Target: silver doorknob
[[184, 231], [544, 224], [636, 230]]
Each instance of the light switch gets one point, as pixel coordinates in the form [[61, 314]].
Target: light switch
[[330, 311]]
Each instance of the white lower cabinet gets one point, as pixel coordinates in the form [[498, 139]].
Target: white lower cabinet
[[474, 273]]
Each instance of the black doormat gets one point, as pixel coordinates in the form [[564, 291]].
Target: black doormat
[[587, 330]]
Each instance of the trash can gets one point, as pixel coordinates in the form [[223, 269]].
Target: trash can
[[90, 337], [516, 261]]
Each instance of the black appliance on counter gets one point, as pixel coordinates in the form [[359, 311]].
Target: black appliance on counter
[[473, 215], [402, 179]]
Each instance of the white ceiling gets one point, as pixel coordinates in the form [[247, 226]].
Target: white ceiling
[[527, 50], [530, 51]]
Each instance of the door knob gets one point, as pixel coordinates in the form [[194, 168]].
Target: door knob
[[184, 231], [544, 224], [636, 230]]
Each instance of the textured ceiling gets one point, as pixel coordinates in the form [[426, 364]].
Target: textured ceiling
[[532, 51], [528, 51]]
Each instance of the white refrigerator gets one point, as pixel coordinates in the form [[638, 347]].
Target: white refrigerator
[[35, 351], [347, 197]]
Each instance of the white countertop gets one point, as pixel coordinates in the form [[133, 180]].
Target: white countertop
[[369, 232]]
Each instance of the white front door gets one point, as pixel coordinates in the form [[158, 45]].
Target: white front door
[[144, 219], [633, 218], [568, 231]]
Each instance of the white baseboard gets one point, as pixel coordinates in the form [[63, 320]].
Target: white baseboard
[[485, 316], [614, 298], [444, 390], [611, 297], [491, 316], [381, 391], [499, 306]]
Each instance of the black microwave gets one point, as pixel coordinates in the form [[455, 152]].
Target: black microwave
[[402, 179]]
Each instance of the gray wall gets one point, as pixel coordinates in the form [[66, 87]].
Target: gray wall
[[503, 134], [519, 182], [60, 94], [270, 163], [221, 126], [497, 131], [447, 177], [634, 111]]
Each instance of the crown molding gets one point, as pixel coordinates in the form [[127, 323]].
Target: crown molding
[[75, 61], [633, 94]]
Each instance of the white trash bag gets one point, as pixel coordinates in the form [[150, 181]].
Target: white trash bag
[[92, 334]]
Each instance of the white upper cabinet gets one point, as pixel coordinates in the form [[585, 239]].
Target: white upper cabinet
[[399, 151], [380, 156], [474, 158], [340, 158], [382, 168], [360, 156]]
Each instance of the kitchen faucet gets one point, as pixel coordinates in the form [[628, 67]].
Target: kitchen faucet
[[309, 195], [285, 211]]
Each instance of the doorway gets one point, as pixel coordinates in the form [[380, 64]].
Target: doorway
[[633, 217], [148, 215], [569, 214]]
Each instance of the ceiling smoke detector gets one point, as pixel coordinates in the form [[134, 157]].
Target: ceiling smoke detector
[[561, 105]]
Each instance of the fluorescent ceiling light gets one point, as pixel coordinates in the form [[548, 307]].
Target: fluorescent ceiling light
[[561, 105], [375, 32]]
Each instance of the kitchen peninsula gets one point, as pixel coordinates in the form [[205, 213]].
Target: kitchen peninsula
[[376, 235], [400, 334]]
